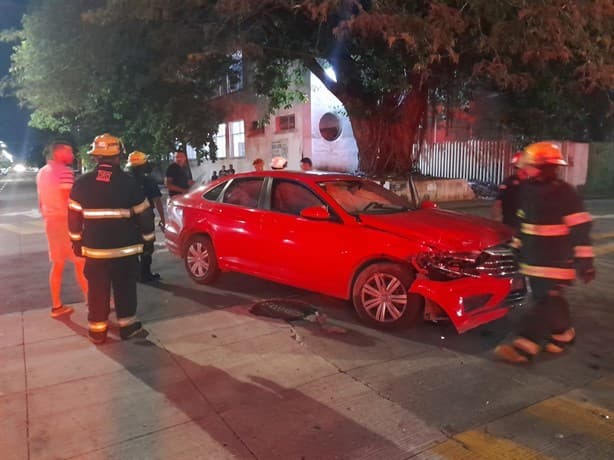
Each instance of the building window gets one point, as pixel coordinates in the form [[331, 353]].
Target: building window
[[285, 122], [236, 134], [330, 126], [220, 141]]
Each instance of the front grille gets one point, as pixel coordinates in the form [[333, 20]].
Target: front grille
[[497, 261]]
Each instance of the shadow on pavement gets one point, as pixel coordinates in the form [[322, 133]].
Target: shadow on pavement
[[266, 420]]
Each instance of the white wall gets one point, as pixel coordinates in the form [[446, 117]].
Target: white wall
[[576, 154], [340, 154]]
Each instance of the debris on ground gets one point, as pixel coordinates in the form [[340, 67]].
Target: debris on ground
[[294, 310]]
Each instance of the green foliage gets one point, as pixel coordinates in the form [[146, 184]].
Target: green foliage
[[82, 74], [149, 70]]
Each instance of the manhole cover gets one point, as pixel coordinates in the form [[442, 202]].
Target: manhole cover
[[286, 309]]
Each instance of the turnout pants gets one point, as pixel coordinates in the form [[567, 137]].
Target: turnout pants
[[119, 274], [549, 313], [145, 265]]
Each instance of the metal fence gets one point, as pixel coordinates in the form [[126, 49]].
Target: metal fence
[[487, 161]]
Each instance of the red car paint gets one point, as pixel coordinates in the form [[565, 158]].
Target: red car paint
[[325, 253]]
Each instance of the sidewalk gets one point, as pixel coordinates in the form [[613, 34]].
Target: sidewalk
[[217, 384]]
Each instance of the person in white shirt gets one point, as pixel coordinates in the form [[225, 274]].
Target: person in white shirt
[[53, 184]]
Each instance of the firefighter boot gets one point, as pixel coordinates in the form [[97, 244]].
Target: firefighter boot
[[98, 332], [560, 341], [521, 350]]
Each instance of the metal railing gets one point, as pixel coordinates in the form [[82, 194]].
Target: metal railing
[[480, 160]]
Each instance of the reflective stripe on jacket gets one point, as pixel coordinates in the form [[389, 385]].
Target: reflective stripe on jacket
[[109, 214], [554, 229]]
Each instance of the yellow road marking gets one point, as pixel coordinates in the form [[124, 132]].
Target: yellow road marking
[[480, 445], [603, 249], [576, 416]]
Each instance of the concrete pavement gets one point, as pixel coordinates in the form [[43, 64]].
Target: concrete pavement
[[211, 383]]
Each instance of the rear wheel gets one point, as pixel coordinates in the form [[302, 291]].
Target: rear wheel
[[381, 299], [200, 260]]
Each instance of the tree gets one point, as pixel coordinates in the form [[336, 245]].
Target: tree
[[391, 59], [82, 75]]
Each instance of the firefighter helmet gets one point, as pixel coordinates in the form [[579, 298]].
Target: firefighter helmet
[[106, 145], [137, 158], [541, 154]]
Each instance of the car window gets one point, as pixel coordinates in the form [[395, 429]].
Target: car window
[[291, 197], [364, 196], [244, 192], [214, 193]]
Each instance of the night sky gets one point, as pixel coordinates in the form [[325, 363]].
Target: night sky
[[13, 120]]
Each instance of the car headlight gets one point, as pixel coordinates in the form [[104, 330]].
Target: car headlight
[[449, 264], [495, 261]]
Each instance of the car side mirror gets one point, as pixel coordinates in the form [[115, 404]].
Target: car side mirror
[[428, 204], [315, 213]]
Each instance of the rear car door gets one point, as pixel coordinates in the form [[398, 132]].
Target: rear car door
[[237, 224]]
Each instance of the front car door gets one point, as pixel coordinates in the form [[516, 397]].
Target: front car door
[[303, 252]]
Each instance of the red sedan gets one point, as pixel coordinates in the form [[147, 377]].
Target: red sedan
[[350, 238]]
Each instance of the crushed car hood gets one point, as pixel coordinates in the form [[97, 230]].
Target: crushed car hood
[[446, 230]]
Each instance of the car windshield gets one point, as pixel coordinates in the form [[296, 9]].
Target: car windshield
[[359, 196]]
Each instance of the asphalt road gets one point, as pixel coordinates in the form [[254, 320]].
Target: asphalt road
[[448, 379]]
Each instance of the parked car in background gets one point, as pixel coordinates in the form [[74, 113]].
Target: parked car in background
[[348, 237]]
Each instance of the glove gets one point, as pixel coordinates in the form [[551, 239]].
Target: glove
[[585, 270], [76, 248], [148, 248]]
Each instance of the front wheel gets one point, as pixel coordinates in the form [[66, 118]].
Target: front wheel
[[200, 260], [381, 299]]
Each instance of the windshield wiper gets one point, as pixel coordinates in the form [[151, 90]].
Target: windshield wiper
[[385, 207]]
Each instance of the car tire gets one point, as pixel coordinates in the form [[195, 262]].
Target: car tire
[[380, 297], [200, 260]]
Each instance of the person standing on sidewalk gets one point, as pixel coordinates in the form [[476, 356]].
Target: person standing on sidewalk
[[506, 204], [178, 179], [110, 224], [555, 244], [53, 184], [140, 169]]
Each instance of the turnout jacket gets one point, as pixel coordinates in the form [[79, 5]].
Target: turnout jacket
[[108, 214], [508, 196], [554, 230]]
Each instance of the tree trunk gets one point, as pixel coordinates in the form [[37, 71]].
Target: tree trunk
[[385, 139]]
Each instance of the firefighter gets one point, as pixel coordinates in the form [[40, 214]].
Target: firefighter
[[140, 168], [506, 204], [555, 245], [110, 223]]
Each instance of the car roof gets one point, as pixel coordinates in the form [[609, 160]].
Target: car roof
[[310, 176]]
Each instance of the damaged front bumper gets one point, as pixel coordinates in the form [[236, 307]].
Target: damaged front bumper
[[472, 301]]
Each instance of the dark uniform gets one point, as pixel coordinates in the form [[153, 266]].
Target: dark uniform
[[508, 197], [151, 191], [110, 222], [555, 240]]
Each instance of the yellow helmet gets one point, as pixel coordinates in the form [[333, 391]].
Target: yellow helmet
[[137, 158], [106, 145], [542, 153]]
